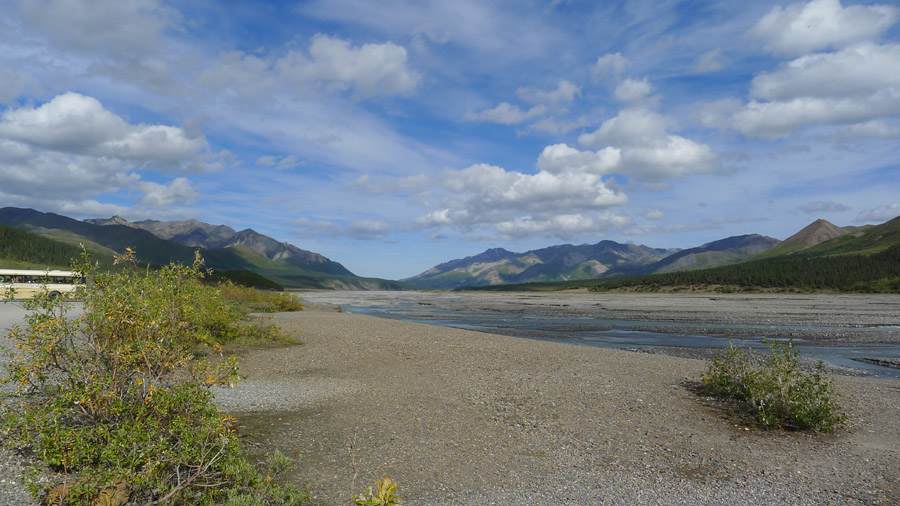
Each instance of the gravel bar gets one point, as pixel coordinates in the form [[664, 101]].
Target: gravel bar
[[461, 417]]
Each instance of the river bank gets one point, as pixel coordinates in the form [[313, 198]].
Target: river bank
[[460, 417]]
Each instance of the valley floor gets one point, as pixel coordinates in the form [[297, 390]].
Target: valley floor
[[461, 417]]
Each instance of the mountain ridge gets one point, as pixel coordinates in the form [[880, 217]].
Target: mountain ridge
[[297, 269]]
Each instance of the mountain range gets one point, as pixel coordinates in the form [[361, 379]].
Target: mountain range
[[608, 259], [225, 249], [157, 242]]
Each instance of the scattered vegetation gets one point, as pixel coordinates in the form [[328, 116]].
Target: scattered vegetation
[[117, 400], [257, 301], [776, 391], [385, 494], [246, 278]]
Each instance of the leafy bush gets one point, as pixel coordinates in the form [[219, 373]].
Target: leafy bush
[[119, 399], [777, 391]]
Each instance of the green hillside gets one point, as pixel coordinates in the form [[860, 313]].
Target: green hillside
[[104, 241], [23, 250], [870, 241], [868, 261]]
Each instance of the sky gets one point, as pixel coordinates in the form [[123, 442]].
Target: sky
[[394, 135]]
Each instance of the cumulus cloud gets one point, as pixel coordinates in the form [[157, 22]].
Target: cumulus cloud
[[879, 214], [609, 65], [86, 150], [647, 151], [856, 85], [654, 214], [859, 71], [629, 127], [482, 196], [545, 102], [823, 207], [562, 159], [633, 89], [178, 192], [77, 124], [802, 28], [331, 63]]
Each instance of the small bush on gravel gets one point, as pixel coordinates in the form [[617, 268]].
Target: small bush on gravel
[[777, 391], [117, 401], [385, 494]]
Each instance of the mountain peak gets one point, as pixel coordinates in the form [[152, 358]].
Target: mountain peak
[[115, 220], [816, 232]]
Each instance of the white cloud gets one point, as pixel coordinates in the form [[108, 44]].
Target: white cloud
[[564, 226], [332, 63], [821, 24], [879, 214], [647, 150], [76, 124], [609, 65], [858, 71], [546, 102], [632, 89], [178, 192], [484, 195], [564, 93], [773, 120], [710, 61], [674, 157], [629, 127], [506, 114], [71, 149], [856, 85], [561, 159], [654, 214], [823, 207]]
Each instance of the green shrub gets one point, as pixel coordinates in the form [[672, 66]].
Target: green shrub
[[385, 494], [119, 399], [258, 301], [777, 391]]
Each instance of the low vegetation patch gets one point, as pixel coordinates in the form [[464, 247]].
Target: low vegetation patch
[[776, 390], [116, 401], [251, 300]]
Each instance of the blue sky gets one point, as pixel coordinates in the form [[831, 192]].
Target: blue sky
[[391, 136]]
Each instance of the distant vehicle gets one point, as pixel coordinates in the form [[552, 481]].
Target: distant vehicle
[[25, 284]]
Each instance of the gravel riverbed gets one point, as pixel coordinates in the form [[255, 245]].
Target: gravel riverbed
[[462, 417]]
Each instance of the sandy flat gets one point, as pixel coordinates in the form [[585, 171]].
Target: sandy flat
[[460, 417]]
